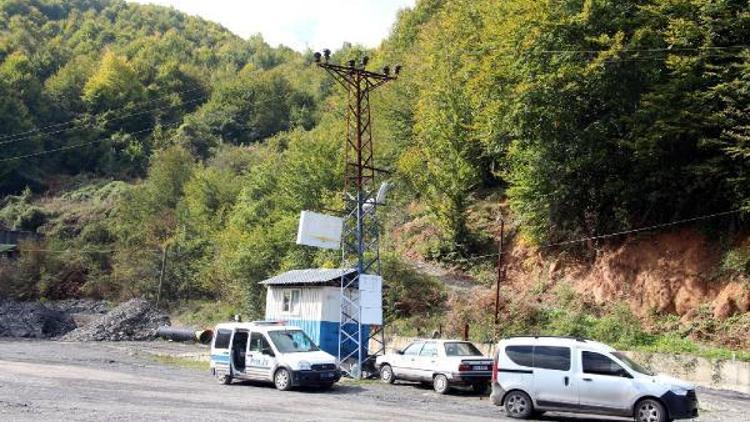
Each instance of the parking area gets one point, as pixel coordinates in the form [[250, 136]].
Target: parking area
[[122, 382]]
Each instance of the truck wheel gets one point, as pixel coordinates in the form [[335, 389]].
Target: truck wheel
[[282, 380], [387, 375], [440, 384], [518, 405], [650, 410]]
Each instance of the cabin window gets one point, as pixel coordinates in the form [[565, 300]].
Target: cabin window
[[291, 302]]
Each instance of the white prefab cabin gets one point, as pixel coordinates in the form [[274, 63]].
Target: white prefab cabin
[[311, 299]]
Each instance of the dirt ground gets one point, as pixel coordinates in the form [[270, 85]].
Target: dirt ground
[[48, 380]]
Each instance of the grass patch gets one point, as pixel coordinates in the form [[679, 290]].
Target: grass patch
[[203, 313], [181, 362], [671, 343], [368, 381]]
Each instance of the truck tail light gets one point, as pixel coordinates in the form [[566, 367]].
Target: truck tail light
[[464, 367]]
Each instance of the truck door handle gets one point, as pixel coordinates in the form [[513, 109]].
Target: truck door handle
[[587, 379], [567, 381]]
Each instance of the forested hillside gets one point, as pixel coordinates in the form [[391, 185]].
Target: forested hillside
[[160, 155]]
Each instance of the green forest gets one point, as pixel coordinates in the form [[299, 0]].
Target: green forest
[[160, 155]]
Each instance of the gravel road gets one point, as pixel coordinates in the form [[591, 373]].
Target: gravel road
[[58, 381]]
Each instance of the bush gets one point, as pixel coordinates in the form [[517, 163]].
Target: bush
[[737, 261], [410, 293]]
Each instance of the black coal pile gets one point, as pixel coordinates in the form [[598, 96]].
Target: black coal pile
[[32, 320], [79, 306], [135, 319]]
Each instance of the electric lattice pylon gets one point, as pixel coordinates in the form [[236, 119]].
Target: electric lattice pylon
[[360, 236]]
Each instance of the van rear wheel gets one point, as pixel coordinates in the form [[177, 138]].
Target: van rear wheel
[[650, 410], [518, 405]]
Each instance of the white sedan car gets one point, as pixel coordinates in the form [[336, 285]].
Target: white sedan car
[[444, 363]]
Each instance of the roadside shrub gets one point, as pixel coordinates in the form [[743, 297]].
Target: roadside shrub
[[30, 219], [737, 261], [410, 293], [621, 328]]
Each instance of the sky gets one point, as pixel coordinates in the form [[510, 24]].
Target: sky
[[299, 24]]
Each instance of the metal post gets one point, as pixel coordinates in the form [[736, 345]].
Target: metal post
[[360, 237]]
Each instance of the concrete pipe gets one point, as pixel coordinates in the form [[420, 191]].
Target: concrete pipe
[[185, 334]]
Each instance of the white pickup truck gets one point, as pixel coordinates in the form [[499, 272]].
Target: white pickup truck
[[444, 363]]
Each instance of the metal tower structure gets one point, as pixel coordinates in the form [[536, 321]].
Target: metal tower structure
[[360, 237]]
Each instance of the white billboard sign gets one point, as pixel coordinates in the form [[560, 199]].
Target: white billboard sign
[[319, 230]]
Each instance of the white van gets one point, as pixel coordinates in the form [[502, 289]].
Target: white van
[[532, 375], [270, 351]]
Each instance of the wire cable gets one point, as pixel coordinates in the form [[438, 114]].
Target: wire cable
[[89, 124], [622, 233], [39, 129], [69, 147]]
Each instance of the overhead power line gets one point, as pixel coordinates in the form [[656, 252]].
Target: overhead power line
[[72, 121], [89, 124], [642, 229], [68, 147], [624, 232]]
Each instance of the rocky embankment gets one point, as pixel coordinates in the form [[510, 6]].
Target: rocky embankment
[[81, 320]]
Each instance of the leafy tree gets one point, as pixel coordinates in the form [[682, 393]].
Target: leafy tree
[[113, 86]]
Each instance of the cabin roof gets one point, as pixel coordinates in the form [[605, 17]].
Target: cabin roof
[[310, 277]]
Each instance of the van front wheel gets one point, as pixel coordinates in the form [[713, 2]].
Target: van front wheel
[[518, 405], [282, 380]]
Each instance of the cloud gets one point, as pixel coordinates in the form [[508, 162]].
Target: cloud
[[299, 24]]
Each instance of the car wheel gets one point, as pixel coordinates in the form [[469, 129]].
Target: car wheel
[[650, 410], [482, 389], [282, 380], [518, 405], [440, 384], [387, 375]]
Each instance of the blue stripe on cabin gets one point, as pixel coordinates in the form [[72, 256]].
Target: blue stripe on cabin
[[326, 335]]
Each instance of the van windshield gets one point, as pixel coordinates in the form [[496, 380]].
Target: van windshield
[[292, 341], [461, 349], [632, 364]]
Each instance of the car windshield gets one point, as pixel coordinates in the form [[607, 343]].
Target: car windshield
[[292, 341], [632, 364], [461, 349]]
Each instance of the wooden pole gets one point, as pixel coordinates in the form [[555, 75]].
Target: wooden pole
[[161, 274], [499, 270]]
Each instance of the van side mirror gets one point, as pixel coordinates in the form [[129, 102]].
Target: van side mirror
[[399, 352]]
